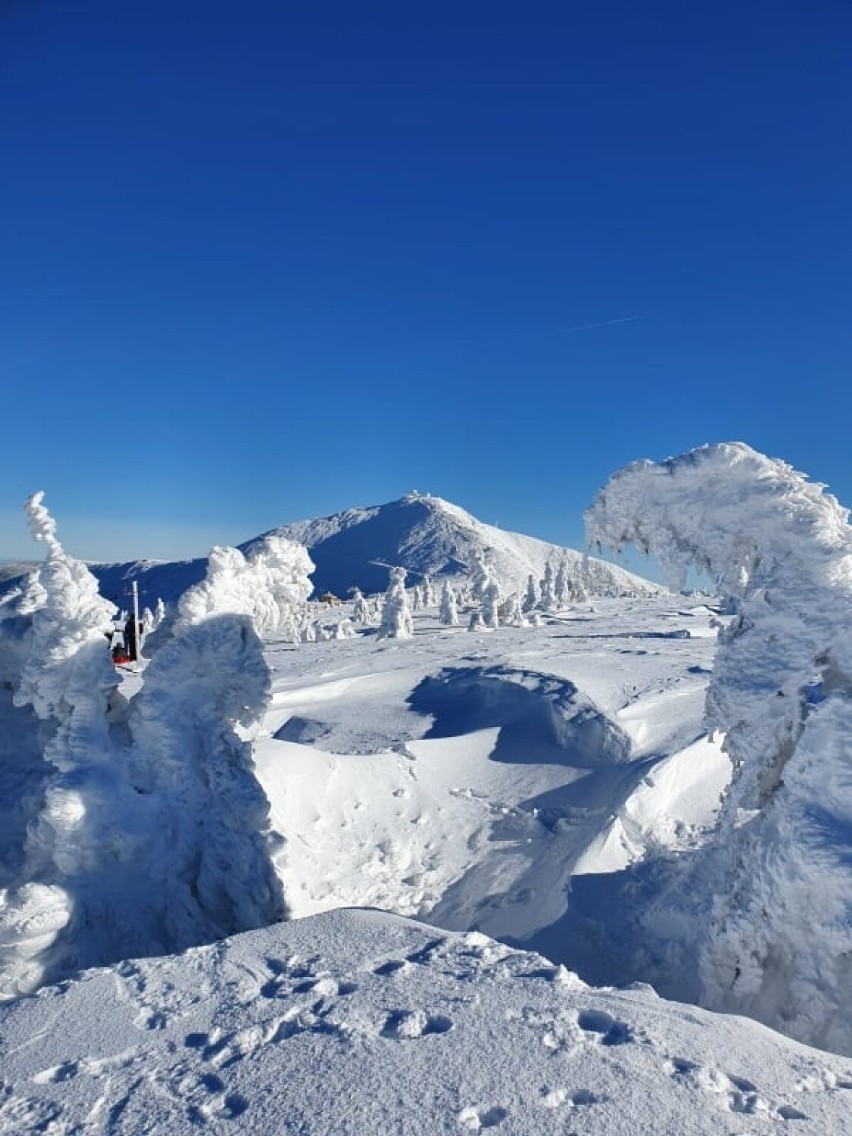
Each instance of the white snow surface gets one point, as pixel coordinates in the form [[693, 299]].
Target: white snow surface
[[360, 1022], [777, 942]]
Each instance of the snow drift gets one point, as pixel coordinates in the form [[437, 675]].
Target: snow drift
[[777, 943]]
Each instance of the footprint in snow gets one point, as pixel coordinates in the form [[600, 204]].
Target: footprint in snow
[[407, 1025], [739, 1095], [611, 1032], [474, 1119]]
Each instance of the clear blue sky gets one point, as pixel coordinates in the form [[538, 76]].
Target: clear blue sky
[[264, 261]]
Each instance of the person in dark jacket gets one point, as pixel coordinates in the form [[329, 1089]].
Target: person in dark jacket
[[131, 637]]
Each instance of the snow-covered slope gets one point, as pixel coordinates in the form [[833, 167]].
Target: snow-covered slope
[[362, 1023], [429, 536]]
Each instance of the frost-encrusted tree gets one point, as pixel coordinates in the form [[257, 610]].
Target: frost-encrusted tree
[[548, 598], [146, 830], [561, 587], [476, 622], [511, 611], [213, 874], [480, 577], [491, 605], [360, 607], [449, 613], [270, 584], [61, 678], [777, 940], [396, 614], [531, 597], [429, 597]]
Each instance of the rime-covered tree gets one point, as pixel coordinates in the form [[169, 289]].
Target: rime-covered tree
[[491, 605], [360, 608], [774, 938], [480, 578], [561, 586], [270, 584], [148, 832], [548, 599], [396, 614], [531, 597], [449, 613], [511, 611]]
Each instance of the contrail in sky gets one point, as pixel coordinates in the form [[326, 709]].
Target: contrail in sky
[[589, 326], [554, 333]]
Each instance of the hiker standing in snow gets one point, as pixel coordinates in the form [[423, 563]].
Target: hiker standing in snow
[[131, 634]]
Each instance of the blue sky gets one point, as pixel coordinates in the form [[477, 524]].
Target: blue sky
[[266, 261]]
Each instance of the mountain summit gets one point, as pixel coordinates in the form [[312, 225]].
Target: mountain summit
[[429, 536]]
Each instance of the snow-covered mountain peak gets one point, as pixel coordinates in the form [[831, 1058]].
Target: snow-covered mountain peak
[[429, 536]]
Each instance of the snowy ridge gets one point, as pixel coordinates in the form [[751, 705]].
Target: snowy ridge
[[431, 537]]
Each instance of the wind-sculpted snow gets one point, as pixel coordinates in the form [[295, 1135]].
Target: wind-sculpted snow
[[270, 584], [542, 718], [779, 937], [129, 829]]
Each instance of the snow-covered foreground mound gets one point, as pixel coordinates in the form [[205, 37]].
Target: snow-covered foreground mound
[[777, 942], [364, 1023]]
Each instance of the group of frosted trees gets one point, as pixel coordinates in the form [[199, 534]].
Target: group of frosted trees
[[134, 826], [481, 595]]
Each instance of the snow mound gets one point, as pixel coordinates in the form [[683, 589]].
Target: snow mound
[[778, 939], [359, 1022]]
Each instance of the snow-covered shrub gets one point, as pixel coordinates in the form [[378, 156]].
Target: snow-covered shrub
[[449, 614], [777, 942], [396, 614]]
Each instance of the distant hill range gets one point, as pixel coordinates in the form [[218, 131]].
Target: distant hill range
[[425, 535]]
